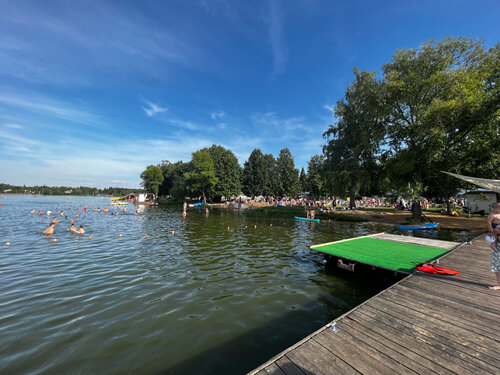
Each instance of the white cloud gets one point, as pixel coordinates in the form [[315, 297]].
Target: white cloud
[[276, 38], [217, 114], [49, 107], [329, 107], [13, 126], [153, 108]]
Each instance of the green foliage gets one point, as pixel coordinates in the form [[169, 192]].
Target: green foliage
[[302, 179], [201, 178], [288, 176], [315, 181], [152, 179], [436, 108], [227, 170], [66, 190], [254, 174]]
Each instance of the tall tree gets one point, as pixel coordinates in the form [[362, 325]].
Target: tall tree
[[288, 175], [227, 170], [253, 174], [435, 95], [152, 178], [354, 141], [270, 184], [201, 178], [302, 179], [315, 178]]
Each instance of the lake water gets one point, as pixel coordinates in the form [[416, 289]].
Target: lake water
[[202, 300]]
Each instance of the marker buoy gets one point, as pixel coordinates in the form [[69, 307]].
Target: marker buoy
[[54, 240], [90, 238], [7, 244], [121, 235]]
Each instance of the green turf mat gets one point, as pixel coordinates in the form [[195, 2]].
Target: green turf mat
[[393, 255]]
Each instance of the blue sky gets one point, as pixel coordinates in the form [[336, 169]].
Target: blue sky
[[93, 91]]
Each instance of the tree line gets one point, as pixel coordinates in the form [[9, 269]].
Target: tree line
[[215, 172], [433, 109], [65, 190]]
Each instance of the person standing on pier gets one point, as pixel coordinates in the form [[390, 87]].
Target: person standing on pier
[[494, 230]]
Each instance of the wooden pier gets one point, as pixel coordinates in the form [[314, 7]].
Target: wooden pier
[[424, 324]]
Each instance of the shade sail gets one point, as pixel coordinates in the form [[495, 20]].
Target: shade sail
[[493, 185]]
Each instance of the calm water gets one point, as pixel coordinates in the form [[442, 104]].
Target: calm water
[[204, 300]]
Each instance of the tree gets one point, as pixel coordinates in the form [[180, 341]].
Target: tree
[[436, 97], [253, 174], [302, 179], [152, 179], [355, 140], [288, 175], [270, 184], [227, 170], [174, 183], [201, 178], [315, 180]]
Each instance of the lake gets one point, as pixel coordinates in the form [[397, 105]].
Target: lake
[[201, 300]]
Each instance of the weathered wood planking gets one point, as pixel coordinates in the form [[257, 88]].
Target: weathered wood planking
[[424, 324]]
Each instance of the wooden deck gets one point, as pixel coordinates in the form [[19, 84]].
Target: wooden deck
[[424, 324]]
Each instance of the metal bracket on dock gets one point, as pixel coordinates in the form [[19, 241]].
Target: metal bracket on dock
[[333, 327]]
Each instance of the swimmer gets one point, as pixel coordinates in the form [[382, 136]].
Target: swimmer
[[72, 228], [32, 211], [48, 213], [62, 213], [54, 220], [77, 215], [40, 213], [72, 221], [81, 230], [49, 230], [124, 209]]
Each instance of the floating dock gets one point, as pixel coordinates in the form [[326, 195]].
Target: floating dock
[[423, 324]]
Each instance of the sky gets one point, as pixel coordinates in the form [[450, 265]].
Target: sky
[[91, 92]]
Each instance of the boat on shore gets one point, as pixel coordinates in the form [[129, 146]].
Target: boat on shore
[[418, 226]]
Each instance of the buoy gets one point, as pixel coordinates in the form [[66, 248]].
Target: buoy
[[173, 232], [90, 238], [54, 240], [7, 244], [121, 235]]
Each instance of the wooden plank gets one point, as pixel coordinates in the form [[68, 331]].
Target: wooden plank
[[478, 320], [288, 367], [457, 342], [443, 289], [273, 369], [452, 327], [449, 245], [314, 359], [422, 343], [396, 347], [355, 354]]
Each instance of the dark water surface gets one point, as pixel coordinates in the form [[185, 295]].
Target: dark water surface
[[204, 300]]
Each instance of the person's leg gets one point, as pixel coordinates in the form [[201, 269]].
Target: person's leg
[[496, 287]]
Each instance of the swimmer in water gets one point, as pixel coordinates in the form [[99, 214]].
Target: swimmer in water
[[49, 230], [32, 211], [72, 221], [54, 220], [81, 230], [72, 228]]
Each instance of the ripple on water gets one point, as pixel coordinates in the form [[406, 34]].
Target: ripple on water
[[149, 300]]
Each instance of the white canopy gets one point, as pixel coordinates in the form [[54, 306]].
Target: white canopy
[[493, 185]]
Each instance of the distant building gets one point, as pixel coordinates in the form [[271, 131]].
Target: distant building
[[68, 191]]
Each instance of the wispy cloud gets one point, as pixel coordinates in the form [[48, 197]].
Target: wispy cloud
[[329, 107], [276, 24], [12, 126], [217, 114], [49, 107], [152, 108]]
